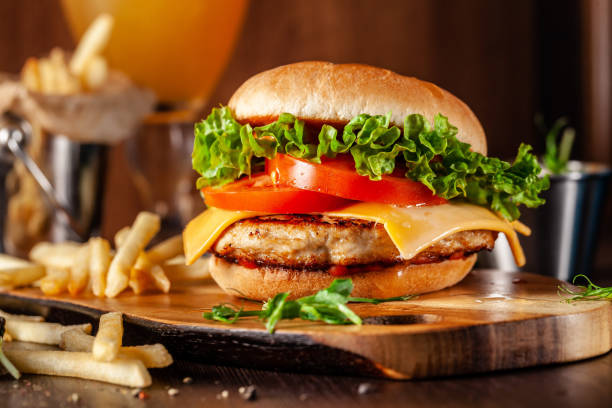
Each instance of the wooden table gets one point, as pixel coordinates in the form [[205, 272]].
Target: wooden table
[[583, 384]]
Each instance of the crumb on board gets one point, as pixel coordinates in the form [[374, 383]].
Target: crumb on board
[[248, 393], [365, 388]]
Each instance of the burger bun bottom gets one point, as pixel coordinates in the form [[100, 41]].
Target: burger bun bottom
[[396, 280]]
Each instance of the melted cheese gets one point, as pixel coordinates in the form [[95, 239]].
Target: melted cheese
[[202, 232], [411, 229]]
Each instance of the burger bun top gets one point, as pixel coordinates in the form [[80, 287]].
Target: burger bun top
[[335, 93]]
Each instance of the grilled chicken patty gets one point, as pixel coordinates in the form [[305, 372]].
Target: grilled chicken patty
[[319, 241]]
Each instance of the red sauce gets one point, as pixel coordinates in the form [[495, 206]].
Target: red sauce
[[456, 255], [338, 270], [247, 264]]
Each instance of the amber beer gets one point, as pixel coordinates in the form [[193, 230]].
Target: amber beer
[[177, 48]]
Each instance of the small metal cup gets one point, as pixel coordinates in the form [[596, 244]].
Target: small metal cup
[[565, 230], [76, 171], [71, 180]]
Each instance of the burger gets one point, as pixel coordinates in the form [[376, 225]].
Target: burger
[[315, 171]]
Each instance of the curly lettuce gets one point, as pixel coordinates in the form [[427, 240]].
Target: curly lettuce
[[224, 150]]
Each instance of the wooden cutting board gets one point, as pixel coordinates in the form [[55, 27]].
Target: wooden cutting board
[[492, 320]]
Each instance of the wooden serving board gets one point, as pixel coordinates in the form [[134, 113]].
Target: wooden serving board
[[492, 320]]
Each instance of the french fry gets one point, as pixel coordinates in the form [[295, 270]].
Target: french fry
[[65, 82], [95, 73], [120, 237], [144, 228], [57, 256], [9, 316], [40, 332], [48, 76], [98, 264], [25, 345], [127, 372], [140, 280], [165, 250], [92, 43], [30, 76], [177, 271], [108, 339], [76, 340], [140, 277], [152, 356], [160, 280], [24, 276], [8, 262], [144, 275], [55, 282], [15, 272], [79, 272]]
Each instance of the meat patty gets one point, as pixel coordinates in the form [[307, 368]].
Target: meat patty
[[319, 241]]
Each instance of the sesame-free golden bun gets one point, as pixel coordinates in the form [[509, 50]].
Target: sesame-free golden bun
[[263, 283], [335, 93]]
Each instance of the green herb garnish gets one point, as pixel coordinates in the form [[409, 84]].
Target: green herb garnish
[[327, 305], [589, 292], [224, 150], [556, 156], [4, 361]]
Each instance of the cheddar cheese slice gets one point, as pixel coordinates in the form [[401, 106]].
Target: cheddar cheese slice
[[411, 229]]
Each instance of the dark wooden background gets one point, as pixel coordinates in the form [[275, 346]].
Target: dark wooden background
[[506, 59]]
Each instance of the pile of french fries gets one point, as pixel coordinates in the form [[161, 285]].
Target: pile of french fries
[[94, 267], [86, 70], [37, 347]]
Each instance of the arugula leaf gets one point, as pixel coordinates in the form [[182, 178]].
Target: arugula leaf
[[589, 292], [224, 150], [327, 305], [274, 310]]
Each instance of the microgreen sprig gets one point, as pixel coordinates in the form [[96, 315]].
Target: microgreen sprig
[[327, 305], [4, 361], [589, 292]]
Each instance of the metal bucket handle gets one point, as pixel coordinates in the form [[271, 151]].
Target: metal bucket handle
[[15, 133]]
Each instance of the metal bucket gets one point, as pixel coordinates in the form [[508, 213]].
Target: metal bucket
[[565, 230], [69, 181]]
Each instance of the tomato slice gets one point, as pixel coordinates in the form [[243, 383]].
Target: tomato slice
[[338, 177], [258, 193]]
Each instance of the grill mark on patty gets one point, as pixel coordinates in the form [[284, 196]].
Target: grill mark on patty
[[311, 241], [308, 219]]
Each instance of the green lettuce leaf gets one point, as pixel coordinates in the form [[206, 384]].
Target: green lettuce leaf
[[224, 150]]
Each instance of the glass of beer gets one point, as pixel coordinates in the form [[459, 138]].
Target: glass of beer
[[178, 49]]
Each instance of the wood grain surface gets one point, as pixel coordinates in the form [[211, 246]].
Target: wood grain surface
[[491, 321], [584, 384]]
